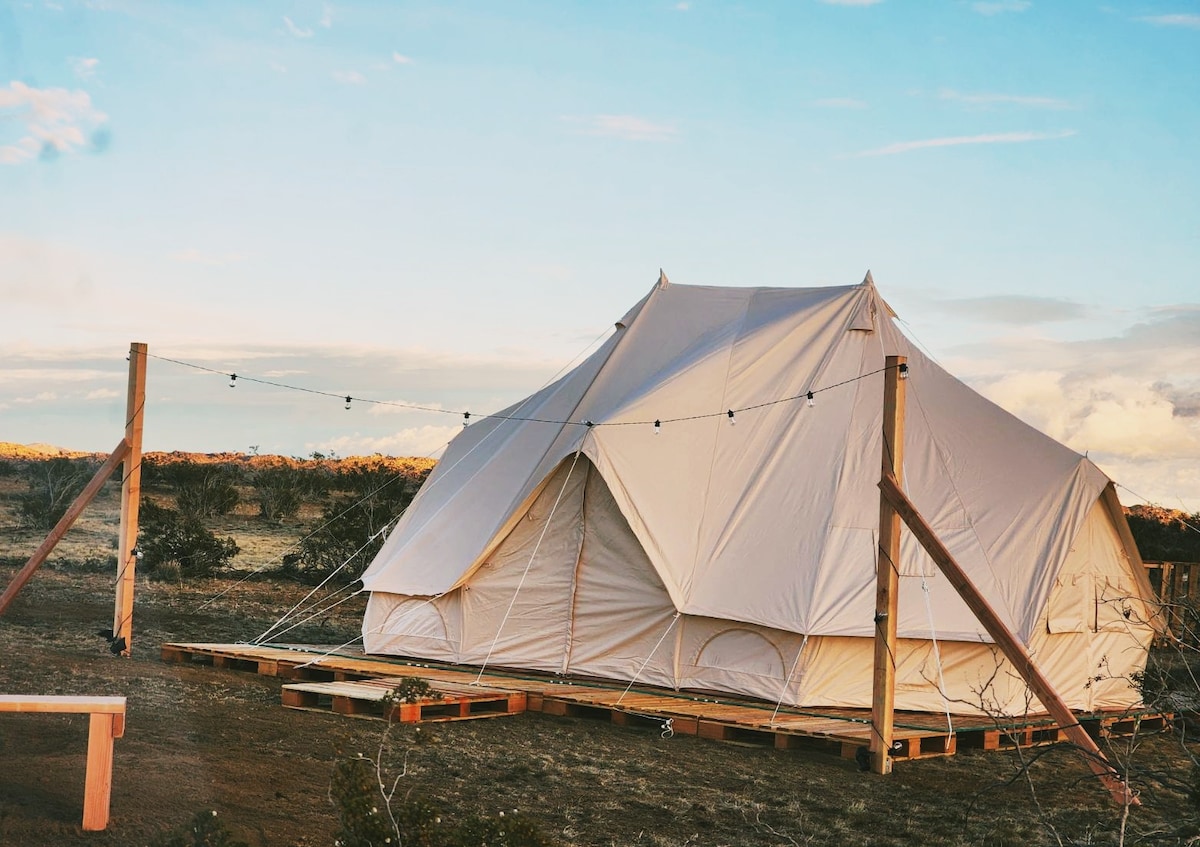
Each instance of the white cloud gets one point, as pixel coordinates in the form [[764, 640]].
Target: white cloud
[[428, 440], [1108, 397], [52, 120], [628, 127], [1009, 99], [996, 7], [840, 103], [401, 59], [192, 256], [278, 68], [1013, 309], [84, 67], [327, 16], [1188, 21], [683, 6], [349, 77], [102, 394], [298, 32], [958, 140], [851, 2]]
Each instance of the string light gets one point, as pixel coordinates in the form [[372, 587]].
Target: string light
[[902, 371]]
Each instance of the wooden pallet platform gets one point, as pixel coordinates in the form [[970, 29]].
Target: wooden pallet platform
[[842, 732], [371, 698]]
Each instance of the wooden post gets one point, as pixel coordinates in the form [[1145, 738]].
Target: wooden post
[[887, 570], [131, 492], [64, 523], [1013, 650]]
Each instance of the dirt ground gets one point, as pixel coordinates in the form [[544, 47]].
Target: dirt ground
[[204, 739]]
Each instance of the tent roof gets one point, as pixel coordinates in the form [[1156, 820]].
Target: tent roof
[[771, 517]]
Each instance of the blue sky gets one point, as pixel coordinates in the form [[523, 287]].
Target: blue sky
[[443, 203]]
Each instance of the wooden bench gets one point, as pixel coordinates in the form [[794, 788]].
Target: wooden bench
[[107, 722]]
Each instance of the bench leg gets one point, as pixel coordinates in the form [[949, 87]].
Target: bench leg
[[97, 787]]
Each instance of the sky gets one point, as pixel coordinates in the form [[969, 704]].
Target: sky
[[444, 204]]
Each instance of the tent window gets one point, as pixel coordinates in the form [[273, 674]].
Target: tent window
[[1070, 607], [741, 650]]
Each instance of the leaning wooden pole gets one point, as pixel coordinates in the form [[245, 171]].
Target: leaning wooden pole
[[64, 523], [1013, 650], [887, 571], [131, 492]]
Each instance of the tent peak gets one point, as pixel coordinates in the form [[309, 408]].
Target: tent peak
[[868, 279], [663, 282]]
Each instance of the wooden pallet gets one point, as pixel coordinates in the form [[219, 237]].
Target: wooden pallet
[[842, 732], [372, 698]]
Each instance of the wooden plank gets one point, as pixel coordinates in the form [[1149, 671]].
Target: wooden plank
[[887, 570], [61, 703], [97, 784], [64, 523], [1008, 643], [131, 495]]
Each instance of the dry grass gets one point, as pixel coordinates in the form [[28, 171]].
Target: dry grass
[[200, 738]]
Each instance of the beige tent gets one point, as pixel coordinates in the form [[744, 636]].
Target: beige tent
[[732, 546]]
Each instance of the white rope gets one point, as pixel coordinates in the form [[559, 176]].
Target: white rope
[[372, 631], [283, 618], [788, 679], [529, 564], [937, 655], [321, 611], [666, 632]]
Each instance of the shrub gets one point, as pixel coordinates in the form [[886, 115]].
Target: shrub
[[53, 485], [351, 533], [204, 830], [202, 490], [166, 536], [280, 489]]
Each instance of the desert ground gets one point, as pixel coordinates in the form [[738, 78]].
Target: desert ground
[[200, 739]]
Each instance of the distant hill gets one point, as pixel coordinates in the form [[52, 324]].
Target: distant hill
[[9, 450]]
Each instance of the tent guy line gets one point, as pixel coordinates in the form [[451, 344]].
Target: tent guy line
[[467, 416]]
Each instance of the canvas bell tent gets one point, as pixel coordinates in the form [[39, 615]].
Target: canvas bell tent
[[696, 506]]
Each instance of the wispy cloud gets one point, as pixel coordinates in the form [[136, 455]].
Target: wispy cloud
[[326, 16], [192, 256], [52, 120], [959, 140], [298, 32], [84, 68], [277, 67], [1014, 309], [999, 7], [401, 59], [683, 6], [1033, 101], [1188, 21], [627, 127], [851, 2], [350, 77], [840, 103]]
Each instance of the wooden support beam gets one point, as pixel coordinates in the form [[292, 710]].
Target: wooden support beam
[[1008, 643], [64, 523], [131, 493], [887, 571]]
